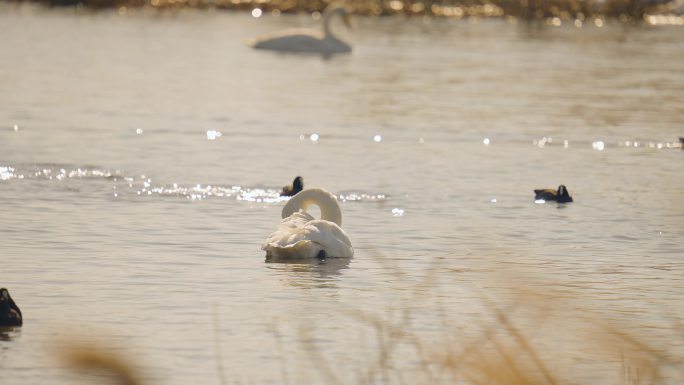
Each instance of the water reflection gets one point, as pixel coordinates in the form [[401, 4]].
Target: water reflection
[[9, 333], [309, 273]]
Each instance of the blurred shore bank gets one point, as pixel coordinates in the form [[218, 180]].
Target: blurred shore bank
[[553, 12]]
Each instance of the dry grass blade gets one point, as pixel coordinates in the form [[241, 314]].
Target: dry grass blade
[[513, 331], [321, 364], [218, 352], [98, 361]]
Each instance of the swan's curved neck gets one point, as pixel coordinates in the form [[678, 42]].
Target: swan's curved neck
[[330, 209], [326, 22]]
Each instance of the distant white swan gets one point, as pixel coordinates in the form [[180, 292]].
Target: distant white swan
[[308, 41], [300, 235]]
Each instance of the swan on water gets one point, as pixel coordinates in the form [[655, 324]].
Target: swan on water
[[296, 186], [10, 315], [301, 236], [309, 41], [561, 195]]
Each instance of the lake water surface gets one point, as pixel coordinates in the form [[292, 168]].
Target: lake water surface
[[141, 156]]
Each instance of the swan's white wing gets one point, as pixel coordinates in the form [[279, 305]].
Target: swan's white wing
[[300, 236], [331, 237], [290, 231], [289, 241]]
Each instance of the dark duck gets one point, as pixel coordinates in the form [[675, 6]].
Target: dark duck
[[10, 315], [296, 186], [561, 195]]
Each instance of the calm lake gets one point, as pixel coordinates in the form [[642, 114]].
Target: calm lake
[[141, 158]]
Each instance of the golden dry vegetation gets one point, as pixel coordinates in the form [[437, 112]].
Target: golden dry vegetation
[[533, 335], [625, 10]]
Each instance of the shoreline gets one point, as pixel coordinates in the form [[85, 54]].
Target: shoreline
[[552, 12]]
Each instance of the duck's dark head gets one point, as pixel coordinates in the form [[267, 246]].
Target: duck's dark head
[[563, 195], [297, 184], [10, 315], [4, 295]]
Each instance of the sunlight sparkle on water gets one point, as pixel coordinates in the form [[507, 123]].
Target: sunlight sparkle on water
[[598, 145], [16, 128], [359, 196], [637, 144], [541, 143], [139, 131], [397, 212], [213, 134], [259, 195], [6, 173], [51, 173], [256, 12], [314, 137], [377, 138], [486, 141]]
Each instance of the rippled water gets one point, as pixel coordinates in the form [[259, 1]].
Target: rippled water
[[141, 156]]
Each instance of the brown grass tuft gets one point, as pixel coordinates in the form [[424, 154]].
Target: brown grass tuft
[[95, 360]]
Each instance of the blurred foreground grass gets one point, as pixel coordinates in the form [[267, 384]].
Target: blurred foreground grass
[[628, 11], [530, 330], [534, 334]]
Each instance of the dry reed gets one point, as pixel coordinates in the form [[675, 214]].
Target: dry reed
[[502, 352]]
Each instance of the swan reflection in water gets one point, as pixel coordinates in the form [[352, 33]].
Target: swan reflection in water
[[309, 273], [309, 41]]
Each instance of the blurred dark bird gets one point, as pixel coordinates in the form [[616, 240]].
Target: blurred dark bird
[[10, 315], [296, 186], [561, 195]]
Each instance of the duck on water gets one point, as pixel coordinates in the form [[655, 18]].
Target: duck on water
[[10, 315], [561, 195], [296, 186]]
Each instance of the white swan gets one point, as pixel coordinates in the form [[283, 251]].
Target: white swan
[[300, 235], [308, 41]]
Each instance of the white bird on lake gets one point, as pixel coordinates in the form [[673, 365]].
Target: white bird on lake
[[308, 41], [301, 236]]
